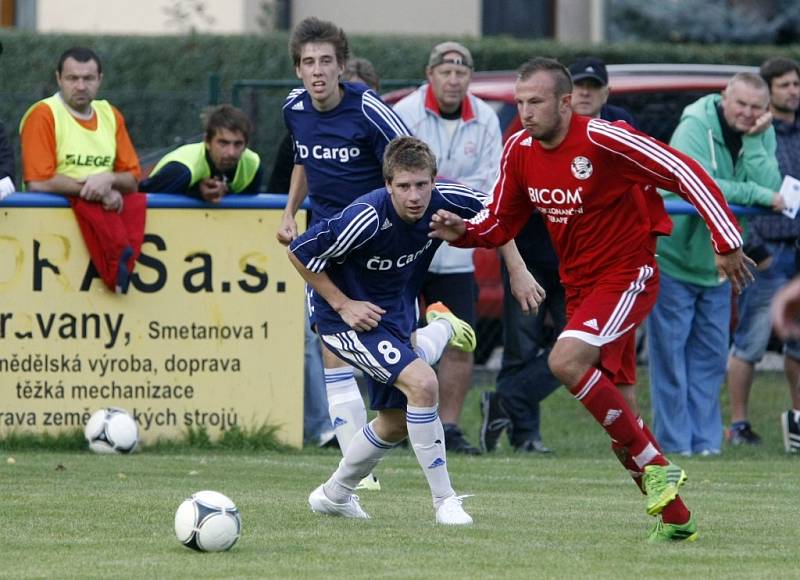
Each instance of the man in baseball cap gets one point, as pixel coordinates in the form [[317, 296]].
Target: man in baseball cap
[[464, 134], [439, 55], [590, 91]]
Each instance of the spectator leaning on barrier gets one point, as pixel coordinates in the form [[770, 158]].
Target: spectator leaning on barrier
[[524, 378], [776, 236], [220, 165], [731, 136], [77, 146]]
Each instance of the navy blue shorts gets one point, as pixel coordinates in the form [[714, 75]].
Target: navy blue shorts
[[381, 355]]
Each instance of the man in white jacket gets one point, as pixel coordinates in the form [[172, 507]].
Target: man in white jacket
[[464, 134]]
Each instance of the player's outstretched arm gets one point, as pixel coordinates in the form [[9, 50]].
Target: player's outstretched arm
[[357, 314], [524, 286], [786, 311], [735, 267], [447, 226]]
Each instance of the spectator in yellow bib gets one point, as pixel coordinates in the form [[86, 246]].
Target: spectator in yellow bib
[[220, 165], [77, 146]]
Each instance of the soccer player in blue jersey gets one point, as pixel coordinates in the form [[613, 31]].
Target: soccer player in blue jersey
[[339, 131], [366, 266]]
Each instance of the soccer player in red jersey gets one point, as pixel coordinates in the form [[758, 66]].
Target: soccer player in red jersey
[[594, 182]]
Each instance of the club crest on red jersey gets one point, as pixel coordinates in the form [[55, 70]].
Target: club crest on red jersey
[[581, 167]]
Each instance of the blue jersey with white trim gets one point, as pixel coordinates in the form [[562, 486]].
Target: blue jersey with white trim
[[341, 149], [371, 254]]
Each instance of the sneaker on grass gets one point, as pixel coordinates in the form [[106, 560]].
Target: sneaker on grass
[[320, 504], [494, 420], [455, 442], [790, 422], [743, 434], [532, 446], [451, 513]]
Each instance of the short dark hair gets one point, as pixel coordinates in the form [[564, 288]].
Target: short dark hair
[[777, 67], [314, 30], [407, 153], [363, 69], [226, 117], [81, 54], [563, 80]]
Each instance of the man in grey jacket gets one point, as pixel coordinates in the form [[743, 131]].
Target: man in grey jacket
[[464, 134]]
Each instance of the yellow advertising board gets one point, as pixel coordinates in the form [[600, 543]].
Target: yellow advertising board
[[209, 335]]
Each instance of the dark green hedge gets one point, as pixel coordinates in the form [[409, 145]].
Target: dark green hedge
[[162, 83]]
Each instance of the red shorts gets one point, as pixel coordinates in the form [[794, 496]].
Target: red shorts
[[607, 314]]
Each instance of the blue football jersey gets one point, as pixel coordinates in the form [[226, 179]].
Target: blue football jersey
[[341, 149], [373, 255]]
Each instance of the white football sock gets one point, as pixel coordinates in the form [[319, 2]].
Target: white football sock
[[432, 340], [345, 405], [426, 434], [365, 451]]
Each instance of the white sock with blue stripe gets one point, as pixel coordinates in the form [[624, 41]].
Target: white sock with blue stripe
[[345, 405], [426, 434], [365, 451], [431, 340]]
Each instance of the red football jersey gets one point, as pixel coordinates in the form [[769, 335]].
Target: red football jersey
[[597, 194]]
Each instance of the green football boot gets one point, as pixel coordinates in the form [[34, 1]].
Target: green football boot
[[663, 532], [463, 335], [661, 482]]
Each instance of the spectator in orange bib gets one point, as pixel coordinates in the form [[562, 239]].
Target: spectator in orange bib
[[78, 147]]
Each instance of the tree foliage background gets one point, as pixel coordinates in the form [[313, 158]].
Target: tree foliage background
[[705, 21]]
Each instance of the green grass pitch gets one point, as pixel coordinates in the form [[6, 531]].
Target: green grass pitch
[[574, 514]]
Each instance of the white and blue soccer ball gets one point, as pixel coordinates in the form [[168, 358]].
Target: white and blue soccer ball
[[111, 430], [208, 521]]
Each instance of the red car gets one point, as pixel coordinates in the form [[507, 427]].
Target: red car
[[655, 94]]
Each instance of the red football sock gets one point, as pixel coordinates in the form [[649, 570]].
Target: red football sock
[[629, 464], [606, 404], [650, 436], [675, 512]]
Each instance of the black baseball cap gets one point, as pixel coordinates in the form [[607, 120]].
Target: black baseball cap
[[589, 68]]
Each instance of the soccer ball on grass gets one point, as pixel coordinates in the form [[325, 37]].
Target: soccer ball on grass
[[111, 430], [208, 521]]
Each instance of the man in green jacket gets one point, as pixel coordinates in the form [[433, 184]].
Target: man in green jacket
[[220, 165], [732, 136]]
